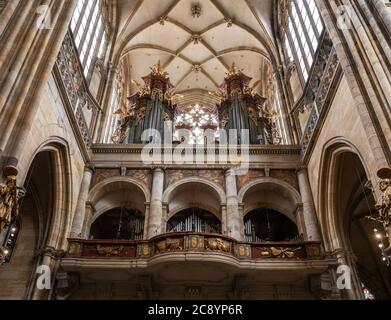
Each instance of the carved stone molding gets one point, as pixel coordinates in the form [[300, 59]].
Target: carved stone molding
[[76, 91], [319, 88], [216, 176]]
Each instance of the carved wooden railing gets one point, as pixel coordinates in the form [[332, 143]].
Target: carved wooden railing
[[188, 242]]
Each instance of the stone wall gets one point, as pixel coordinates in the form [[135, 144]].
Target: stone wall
[[342, 123]]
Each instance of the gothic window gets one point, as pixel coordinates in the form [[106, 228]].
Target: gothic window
[[302, 35], [196, 125], [89, 31]]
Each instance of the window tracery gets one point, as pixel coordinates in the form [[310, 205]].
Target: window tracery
[[301, 28], [196, 120], [90, 31]]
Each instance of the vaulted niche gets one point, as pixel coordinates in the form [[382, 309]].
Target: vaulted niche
[[195, 220], [354, 203], [119, 223], [266, 225]]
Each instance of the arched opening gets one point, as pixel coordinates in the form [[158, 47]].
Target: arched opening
[[119, 223], [195, 220], [32, 229], [185, 209], [270, 211], [120, 206], [354, 203], [267, 225]]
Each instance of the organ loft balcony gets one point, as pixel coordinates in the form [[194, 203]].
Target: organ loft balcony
[[194, 258]]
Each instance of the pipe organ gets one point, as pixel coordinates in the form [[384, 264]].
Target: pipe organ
[[243, 109], [195, 220], [151, 110]]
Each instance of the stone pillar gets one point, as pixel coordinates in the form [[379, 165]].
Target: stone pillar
[[309, 218], [103, 118], [156, 209], [348, 259], [223, 210], [287, 119], [241, 214], [32, 58], [355, 62], [384, 13], [233, 216], [80, 212], [146, 219], [89, 215]]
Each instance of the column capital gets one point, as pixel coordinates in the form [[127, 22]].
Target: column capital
[[89, 167], [157, 169], [301, 168], [229, 172]]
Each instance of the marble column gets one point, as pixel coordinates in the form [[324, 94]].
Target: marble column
[[80, 212], [309, 218], [233, 215], [156, 209]]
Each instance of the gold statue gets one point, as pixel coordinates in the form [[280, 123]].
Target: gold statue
[[158, 71], [143, 90], [8, 202], [233, 71], [384, 206]]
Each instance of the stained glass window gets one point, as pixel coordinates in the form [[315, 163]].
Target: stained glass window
[[193, 124]]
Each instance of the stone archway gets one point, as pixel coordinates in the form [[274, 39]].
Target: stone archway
[[346, 201], [114, 193], [180, 196], [272, 194], [42, 221]]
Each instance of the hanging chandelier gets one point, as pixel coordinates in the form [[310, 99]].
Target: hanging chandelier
[[10, 197]]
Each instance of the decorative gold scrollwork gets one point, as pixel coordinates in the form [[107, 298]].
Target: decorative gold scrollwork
[[109, 250], [217, 244], [143, 90], [284, 252], [169, 244], [166, 117], [157, 93], [224, 119], [252, 115], [141, 114]]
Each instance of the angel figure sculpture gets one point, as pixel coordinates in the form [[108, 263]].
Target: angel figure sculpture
[[9, 198], [384, 206]]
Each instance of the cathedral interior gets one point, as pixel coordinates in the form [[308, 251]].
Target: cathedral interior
[[195, 149]]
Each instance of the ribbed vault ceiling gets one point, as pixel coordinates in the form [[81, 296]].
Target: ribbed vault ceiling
[[196, 51]]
